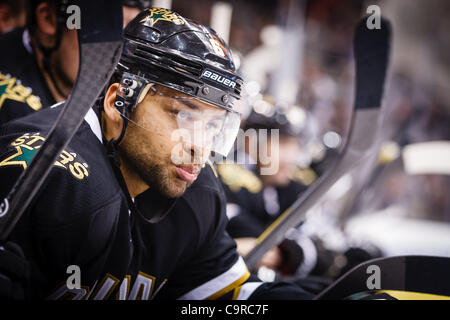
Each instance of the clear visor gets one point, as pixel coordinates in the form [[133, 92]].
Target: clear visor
[[198, 126]]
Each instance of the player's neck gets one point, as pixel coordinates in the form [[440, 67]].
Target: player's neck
[[48, 79]]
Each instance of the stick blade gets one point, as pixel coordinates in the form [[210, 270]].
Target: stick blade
[[420, 274], [104, 26], [371, 50]]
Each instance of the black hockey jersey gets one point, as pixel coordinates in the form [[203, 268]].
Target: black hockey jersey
[[80, 217], [191, 256], [23, 89]]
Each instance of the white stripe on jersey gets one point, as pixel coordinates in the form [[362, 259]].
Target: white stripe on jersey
[[92, 119], [26, 40], [237, 271], [247, 289]]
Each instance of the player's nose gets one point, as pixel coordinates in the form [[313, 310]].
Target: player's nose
[[199, 153]]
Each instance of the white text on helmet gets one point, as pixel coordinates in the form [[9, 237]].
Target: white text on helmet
[[218, 78]]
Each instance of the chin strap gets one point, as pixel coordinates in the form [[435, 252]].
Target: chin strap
[[157, 205], [47, 52], [48, 68]]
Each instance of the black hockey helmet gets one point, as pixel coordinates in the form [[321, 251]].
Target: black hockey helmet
[[161, 47], [168, 49]]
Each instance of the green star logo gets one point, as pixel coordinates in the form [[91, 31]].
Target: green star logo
[[22, 157], [3, 89], [157, 16]]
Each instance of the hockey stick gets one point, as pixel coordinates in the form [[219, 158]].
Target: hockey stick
[[100, 46], [371, 50], [422, 274]]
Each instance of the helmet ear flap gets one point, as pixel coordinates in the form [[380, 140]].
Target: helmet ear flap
[[120, 105], [132, 90]]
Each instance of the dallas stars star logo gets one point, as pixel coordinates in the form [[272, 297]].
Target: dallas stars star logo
[[22, 157], [11, 88], [157, 14], [6, 92]]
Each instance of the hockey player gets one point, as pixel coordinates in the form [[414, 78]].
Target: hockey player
[[39, 66], [39, 63], [102, 212]]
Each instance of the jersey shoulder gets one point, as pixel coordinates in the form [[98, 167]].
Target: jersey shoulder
[[81, 179]]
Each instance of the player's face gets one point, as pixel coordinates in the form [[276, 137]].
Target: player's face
[[64, 59], [151, 145]]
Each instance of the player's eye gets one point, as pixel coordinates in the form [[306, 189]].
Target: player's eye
[[172, 108], [185, 116]]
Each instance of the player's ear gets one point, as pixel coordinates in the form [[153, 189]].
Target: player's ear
[[46, 19], [111, 120]]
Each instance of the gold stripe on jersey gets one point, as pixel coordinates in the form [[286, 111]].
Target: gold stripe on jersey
[[230, 287], [407, 295], [223, 283], [236, 293]]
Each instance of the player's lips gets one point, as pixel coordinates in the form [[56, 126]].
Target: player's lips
[[187, 173]]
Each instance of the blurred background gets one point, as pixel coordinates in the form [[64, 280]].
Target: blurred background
[[300, 53], [296, 58]]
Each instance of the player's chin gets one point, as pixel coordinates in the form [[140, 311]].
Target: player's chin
[[176, 186]]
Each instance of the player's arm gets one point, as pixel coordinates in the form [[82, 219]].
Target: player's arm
[[215, 270]]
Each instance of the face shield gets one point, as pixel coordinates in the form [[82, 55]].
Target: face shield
[[184, 118]]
